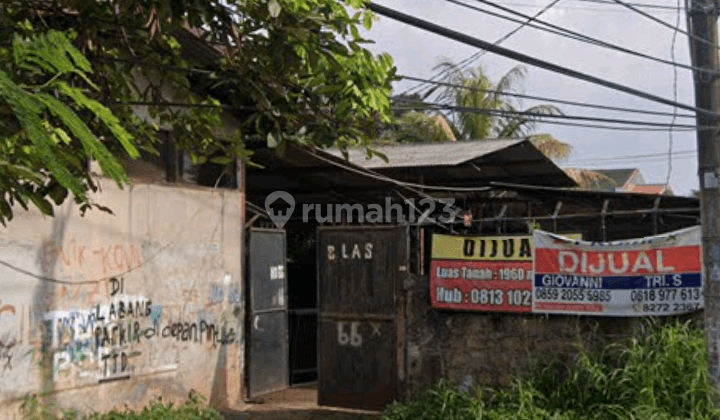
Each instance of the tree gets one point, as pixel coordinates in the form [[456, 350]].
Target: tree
[[75, 71], [473, 90], [413, 123]]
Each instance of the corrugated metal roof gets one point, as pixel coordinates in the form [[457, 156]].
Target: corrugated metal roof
[[651, 189], [427, 154], [552, 193], [618, 176]]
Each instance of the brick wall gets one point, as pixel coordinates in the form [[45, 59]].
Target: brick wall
[[477, 348]]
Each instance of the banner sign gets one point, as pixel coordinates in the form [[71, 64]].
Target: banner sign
[[489, 273], [658, 275]]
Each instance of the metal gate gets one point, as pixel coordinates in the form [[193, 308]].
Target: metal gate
[[268, 319], [358, 270]]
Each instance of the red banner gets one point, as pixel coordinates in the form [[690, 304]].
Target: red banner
[[481, 285], [682, 259], [482, 273]]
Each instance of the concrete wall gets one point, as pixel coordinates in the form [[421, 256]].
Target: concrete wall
[[104, 311], [479, 348]]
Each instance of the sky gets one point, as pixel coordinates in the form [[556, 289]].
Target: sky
[[415, 53]]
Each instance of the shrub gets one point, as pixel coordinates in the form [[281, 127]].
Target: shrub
[[660, 374], [195, 408]]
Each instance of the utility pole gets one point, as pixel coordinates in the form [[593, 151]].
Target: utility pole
[[702, 24]]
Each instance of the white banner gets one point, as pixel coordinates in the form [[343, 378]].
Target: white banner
[[658, 275]]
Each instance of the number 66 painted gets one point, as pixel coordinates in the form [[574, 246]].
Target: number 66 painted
[[354, 339]]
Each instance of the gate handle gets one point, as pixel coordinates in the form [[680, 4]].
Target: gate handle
[[255, 324]]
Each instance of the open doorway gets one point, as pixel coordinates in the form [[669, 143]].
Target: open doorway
[[266, 324], [281, 322], [302, 303]]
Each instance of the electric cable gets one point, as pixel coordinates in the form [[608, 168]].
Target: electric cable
[[624, 157], [544, 99], [582, 8], [467, 61], [646, 5], [609, 127], [524, 58], [591, 165], [661, 22], [675, 94], [567, 33], [505, 113], [377, 176], [599, 9]]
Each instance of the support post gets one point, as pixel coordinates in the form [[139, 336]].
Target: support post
[[558, 206], [656, 206], [603, 213], [702, 24], [171, 157], [499, 217]]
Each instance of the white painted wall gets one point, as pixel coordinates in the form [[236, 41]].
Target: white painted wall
[[173, 254]]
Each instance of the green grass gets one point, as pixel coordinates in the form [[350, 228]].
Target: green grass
[[194, 408], [658, 375]]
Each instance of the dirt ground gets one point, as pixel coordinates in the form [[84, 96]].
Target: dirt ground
[[296, 403]]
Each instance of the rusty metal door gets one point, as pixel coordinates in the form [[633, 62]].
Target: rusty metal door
[[267, 349], [358, 270]]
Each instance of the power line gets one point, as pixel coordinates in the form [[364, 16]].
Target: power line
[[675, 94], [426, 105], [625, 157], [466, 62], [580, 104], [627, 162], [102, 279], [544, 99], [646, 5], [581, 8], [541, 116], [606, 127], [469, 40], [409, 185], [662, 22], [182, 105], [567, 33]]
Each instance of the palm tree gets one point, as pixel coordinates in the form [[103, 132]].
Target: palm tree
[[414, 124], [473, 90]]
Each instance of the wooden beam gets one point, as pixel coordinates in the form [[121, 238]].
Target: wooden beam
[[603, 213]]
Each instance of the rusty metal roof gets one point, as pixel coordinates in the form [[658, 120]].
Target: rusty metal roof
[[465, 163], [427, 154], [595, 198]]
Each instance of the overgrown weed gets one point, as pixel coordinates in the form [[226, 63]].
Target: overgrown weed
[[194, 408], [660, 374]]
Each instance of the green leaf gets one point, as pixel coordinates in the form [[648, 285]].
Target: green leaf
[[59, 40], [5, 209], [355, 33], [104, 114], [367, 20], [42, 204], [272, 142], [222, 160], [93, 147], [23, 172], [27, 108], [58, 194]]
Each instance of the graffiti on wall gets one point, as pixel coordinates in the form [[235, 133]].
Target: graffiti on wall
[[107, 333], [99, 260], [8, 336], [105, 341], [102, 341]]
